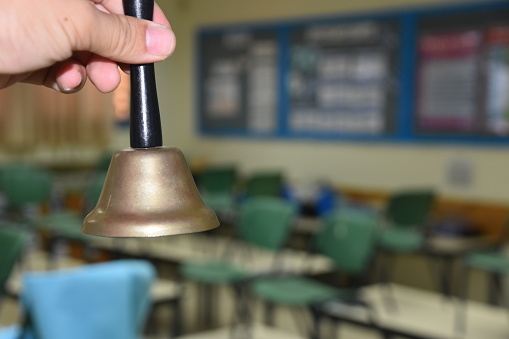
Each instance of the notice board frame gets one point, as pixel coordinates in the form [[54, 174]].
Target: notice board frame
[[405, 118]]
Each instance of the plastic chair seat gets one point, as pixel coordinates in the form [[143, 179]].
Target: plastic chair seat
[[293, 291], [113, 295], [13, 332], [489, 261], [12, 245], [66, 224], [401, 240], [219, 202], [217, 272]]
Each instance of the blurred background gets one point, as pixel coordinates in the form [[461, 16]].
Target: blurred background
[[379, 126]]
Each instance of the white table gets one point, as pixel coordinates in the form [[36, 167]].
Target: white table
[[424, 314]]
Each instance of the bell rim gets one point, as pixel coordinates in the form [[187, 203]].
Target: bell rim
[[128, 226]]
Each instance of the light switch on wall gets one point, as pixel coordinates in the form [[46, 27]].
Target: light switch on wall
[[460, 173]]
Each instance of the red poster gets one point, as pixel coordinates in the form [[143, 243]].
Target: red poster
[[447, 87]]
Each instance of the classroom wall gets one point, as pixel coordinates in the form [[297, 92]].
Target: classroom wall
[[379, 166]]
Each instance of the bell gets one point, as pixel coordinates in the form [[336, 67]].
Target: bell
[[149, 193], [149, 190]]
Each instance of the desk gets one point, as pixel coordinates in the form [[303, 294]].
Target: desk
[[258, 332], [447, 250], [200, 247], [425, 315]]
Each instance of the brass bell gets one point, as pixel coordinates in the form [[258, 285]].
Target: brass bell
[[147, 193], [149, 190]]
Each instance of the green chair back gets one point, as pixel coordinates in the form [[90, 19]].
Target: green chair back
[[103, 164], [12, 244], [94, 189], [265, 222], [23, 183], [264, 184], [217, 179], [410, 208], [347, 237]]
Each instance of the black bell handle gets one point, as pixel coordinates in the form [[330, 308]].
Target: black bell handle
[[145, 120]]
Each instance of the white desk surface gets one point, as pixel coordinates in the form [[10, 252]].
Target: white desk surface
[[419, 312], [430, 314], [198, 247], [259, 332]]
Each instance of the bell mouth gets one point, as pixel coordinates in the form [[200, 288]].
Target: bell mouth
[[154, 225], [149, 193]]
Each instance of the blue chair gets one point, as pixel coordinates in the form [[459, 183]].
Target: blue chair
[[100, 301]]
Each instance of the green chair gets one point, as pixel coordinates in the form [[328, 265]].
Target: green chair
[[217, 179], [264, 223], [406, 214], [216, 185], [403, 222], [347, 237], [103, 163], [266, 184], [12, 245], [24, 185], [495, 263], [65, 227], [93, 190]]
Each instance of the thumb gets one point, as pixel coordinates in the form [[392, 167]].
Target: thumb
[[126, 39]]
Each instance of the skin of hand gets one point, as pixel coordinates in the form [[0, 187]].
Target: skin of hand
[[59, 43]]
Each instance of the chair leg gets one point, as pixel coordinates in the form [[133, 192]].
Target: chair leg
[[315, 332], [461, 305], [241, 327], [151, 322], [1, 302], [176, 329], [386, 335], [201, 305], [269, 313], [385, 277], [434, 267], [334, 327], [206, 305], [496, 293], [443, 278], [51, 264], [446, 269], [298, 322]]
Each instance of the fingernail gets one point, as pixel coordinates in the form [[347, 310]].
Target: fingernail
[[71, 82], [160, 40]]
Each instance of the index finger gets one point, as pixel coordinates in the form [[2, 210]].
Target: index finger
[[116, 7]]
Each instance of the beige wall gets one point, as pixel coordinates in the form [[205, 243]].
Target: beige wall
[[383, 166]]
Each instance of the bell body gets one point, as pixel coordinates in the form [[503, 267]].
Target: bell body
[[149, 193]]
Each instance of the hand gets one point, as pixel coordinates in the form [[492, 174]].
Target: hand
[[59, 43]]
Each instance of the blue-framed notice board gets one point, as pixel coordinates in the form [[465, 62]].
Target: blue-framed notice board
[[418, 74]]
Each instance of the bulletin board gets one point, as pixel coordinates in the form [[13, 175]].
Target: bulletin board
[[239, 81], [342, 78], [419, 74], [463, 74]]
